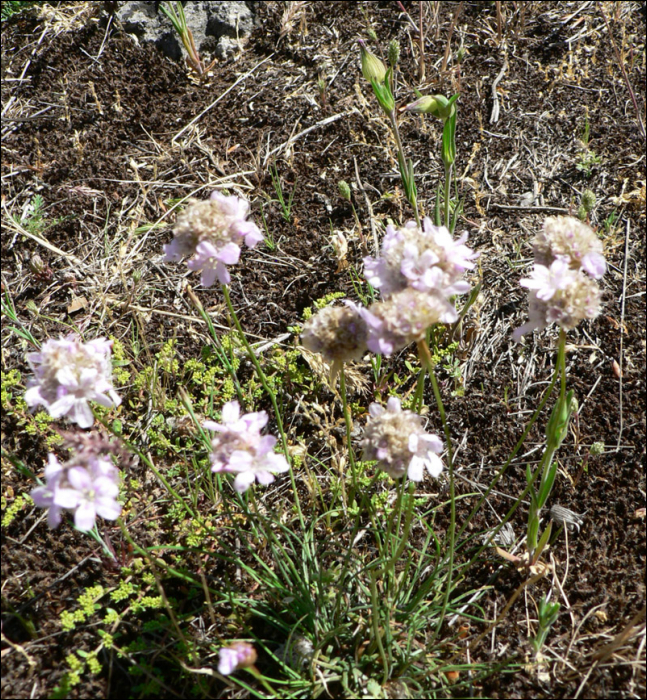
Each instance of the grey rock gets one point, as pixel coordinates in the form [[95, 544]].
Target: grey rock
[[217, 26]]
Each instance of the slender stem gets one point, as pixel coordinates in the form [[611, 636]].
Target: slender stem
[[349, 428], [351, 541], [561, 362], [376, 627], [513, 454], [425, 358], [148, 463], [421, 65], [401, 159], [270, 393], [448, 183]]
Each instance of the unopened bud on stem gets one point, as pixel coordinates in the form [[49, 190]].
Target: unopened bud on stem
[[393, 53], [344, 190], [372, 67]]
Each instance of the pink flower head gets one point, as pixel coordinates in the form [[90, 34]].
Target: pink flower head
[[397, 440], [212, 232], [566, 305], [240, 448], [212, 262], [573, 240], [235, 656], [88, 485], [68, 374], [427, 259], [548, 280], [403, 318]]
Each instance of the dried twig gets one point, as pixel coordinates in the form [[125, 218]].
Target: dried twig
[[448, 47], [624, 72], [622, 333], [494, 117], [368, 206], [296, 137]]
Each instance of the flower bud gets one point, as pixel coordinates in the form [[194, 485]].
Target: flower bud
[[423, 105], [372, 67], [597, 448], [36, 264], [393, 53], [437, 106], [582, 213], [588, 200], [344, 190]]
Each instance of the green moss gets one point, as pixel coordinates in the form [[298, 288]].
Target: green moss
[[107, 638], [320, 303], [144, 379], [93, 663], [88, 599], [10, 380], [111, 616], [148, 602], [124, 591], [9, 515], [166, 358], [119, 361]]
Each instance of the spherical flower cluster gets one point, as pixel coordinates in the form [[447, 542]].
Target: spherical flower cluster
[[568, 255], [68, 374], [571, 239], [240, 448], [404, 317], [577, 298], [87, 485], [338, 333], [235, 656], [212, 232], [397, 440], [426, 259], [418, 272]]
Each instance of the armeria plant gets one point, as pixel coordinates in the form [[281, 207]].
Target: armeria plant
[[404, 590]]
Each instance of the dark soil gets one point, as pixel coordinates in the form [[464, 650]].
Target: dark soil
[[92, 123]]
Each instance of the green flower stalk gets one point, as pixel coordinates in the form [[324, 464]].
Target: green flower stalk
[[547, 614], [381, 81], [442, 108]]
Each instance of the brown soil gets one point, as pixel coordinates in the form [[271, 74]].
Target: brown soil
[[93, 125]]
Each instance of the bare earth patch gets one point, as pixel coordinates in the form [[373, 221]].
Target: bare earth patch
[[102, 138]]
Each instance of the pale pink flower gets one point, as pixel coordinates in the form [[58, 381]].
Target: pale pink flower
[[235, 656], [426, 259], [89, 494], [88, 485], [397, 440], [240, 448], [403, 318], [548, 280], [68, 374], [213, 261], [572, 239], [212, 232]]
